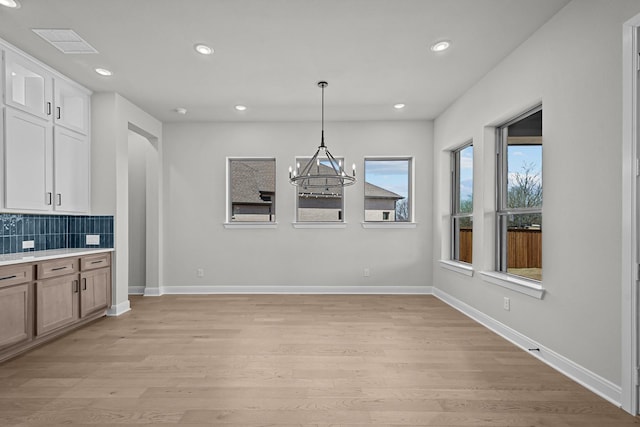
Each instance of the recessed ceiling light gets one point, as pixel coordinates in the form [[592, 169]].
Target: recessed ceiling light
[[181, 110], [240, 107], [104, 72], [10, 3], [203, 49], [441, 46], [399, 106]]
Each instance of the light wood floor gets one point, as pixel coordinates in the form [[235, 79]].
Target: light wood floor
[[291, 361]]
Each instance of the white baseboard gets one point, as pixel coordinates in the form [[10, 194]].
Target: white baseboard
[[594, 382], [117, 310], [336, 290], [153, 292], [136, 290]]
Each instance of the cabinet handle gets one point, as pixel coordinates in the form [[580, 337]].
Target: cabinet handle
[[75, 287], [58, 268], [8, 277], [84, 284], [59, 114], [97, 262], [49, 198], [59, 199], [48, 108]]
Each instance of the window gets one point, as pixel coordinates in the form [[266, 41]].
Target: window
[[387, 190], [252, 190], [320, 204], [519, 191], [462, 204]]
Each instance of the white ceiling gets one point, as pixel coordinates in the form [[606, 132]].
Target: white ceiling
[[269, 54]]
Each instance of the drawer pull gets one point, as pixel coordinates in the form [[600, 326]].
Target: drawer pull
[[58, 268], [8, 277], [97, 262]]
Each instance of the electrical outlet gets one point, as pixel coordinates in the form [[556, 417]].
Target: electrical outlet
[[506, 304], [366, 272], [93, 239], [28, 244], [200, 272]]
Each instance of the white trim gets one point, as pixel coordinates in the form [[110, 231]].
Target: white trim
[[630, 214], [527, 287], [458, 267], [269, 289], [153, 292], [136, 290], [117, 310], [372, 224], [592, 381], [250, 225], [319, 224]]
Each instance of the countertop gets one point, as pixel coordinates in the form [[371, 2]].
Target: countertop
[[37, 256]]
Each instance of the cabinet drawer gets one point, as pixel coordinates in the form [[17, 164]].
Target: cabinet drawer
[[95, 261], [57, 267], [15, 274]]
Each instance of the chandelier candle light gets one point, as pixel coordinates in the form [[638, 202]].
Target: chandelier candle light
[[311, 177]]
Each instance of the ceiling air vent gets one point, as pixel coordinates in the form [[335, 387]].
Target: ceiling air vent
[[67, 41]]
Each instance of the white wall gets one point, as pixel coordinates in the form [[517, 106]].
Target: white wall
[[112, 118], [195, 184], [138, 147], [573, 65]]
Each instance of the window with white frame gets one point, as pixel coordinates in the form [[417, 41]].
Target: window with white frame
[[519, 196], [252, 190], [318, 203], [462, 204], [387, 189]]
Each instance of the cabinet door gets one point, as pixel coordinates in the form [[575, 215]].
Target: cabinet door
[[15, 315], [27, 86], [95, 291], [28, 162], [56, 303], [71, 160], [71, 107]]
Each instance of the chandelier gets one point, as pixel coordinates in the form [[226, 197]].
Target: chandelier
[[322, 170]]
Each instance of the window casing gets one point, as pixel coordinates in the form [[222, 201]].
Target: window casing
[[387, 189], [252, 190], [462, 204], [319, 204], [519, 196]]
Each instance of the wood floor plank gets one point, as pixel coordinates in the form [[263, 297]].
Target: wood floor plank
[[294, 360]]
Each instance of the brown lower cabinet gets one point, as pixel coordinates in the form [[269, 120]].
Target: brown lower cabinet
[[39, 301]]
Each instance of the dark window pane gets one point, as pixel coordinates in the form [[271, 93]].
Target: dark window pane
[[321, 201], [386, 190], [524, 245], [253, 189], [465, 180], [463, 239], [524, 176]]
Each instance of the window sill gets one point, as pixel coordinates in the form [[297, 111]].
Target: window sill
[[319, 225], [458, 267], [389, 224], [250, 225], [527, 287]]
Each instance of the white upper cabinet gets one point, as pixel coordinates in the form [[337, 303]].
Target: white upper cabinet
[[28, 169], [45, 157], [28, 86], [71, 171], [71, 107]]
